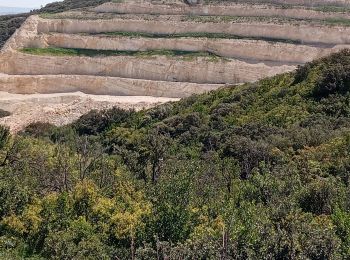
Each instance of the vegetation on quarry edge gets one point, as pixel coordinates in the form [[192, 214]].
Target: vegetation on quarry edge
[[188, 35], [9, 23], [209, 177], [55, 51]]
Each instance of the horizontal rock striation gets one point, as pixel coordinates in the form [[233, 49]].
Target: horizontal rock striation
[[161, 68], [97, 85], [218, 10], [249, 49], [303, 33], [246, 50]]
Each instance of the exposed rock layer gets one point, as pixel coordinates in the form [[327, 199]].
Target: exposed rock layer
[[31, 84], [218, 9], [305, 33], [160, 68], [251, 50]]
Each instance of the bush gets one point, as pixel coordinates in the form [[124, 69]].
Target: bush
[[96, 122], [4, 136], [336, 79], [4, 113], [38, 129]]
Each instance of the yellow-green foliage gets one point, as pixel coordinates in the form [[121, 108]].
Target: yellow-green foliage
[[258, 171]]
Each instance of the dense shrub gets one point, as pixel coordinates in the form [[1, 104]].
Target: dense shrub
[[336, 79], [4, 113], [96, 122], [208, 177]]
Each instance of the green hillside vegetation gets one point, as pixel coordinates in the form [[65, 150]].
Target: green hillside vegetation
[[8, 25], [258, 171]]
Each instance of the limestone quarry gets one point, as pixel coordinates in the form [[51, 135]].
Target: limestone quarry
[[136, 54]]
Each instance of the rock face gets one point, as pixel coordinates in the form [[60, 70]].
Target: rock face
[[257, 51], [241, 10], [197, 70], [212, 45], [97, 85], [299, 31]]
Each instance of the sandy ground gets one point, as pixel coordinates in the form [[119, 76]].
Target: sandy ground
[[64, 108]]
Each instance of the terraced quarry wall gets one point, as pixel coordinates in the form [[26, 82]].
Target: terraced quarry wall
[[223, 47], [249, 50], [304, 33], [31, 84], [340, 3], [198, 70], [264, 10]]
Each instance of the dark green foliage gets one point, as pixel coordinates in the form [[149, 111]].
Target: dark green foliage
[[4, 136], [335, 80], [96, 122], [4, 113], [38, 129], [66, 5], [333, 75], [258, 171], [8, 25]]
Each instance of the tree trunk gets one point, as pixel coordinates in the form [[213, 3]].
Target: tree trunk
[[132, 247]]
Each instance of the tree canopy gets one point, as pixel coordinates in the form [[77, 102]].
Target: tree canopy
[[258, 171]]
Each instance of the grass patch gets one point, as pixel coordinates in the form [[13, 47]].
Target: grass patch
[[338, 21], [267, 19], [331, 9], [193, 35], [94, 53]]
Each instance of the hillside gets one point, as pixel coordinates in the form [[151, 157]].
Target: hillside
[[165, 50], [209, 177]]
